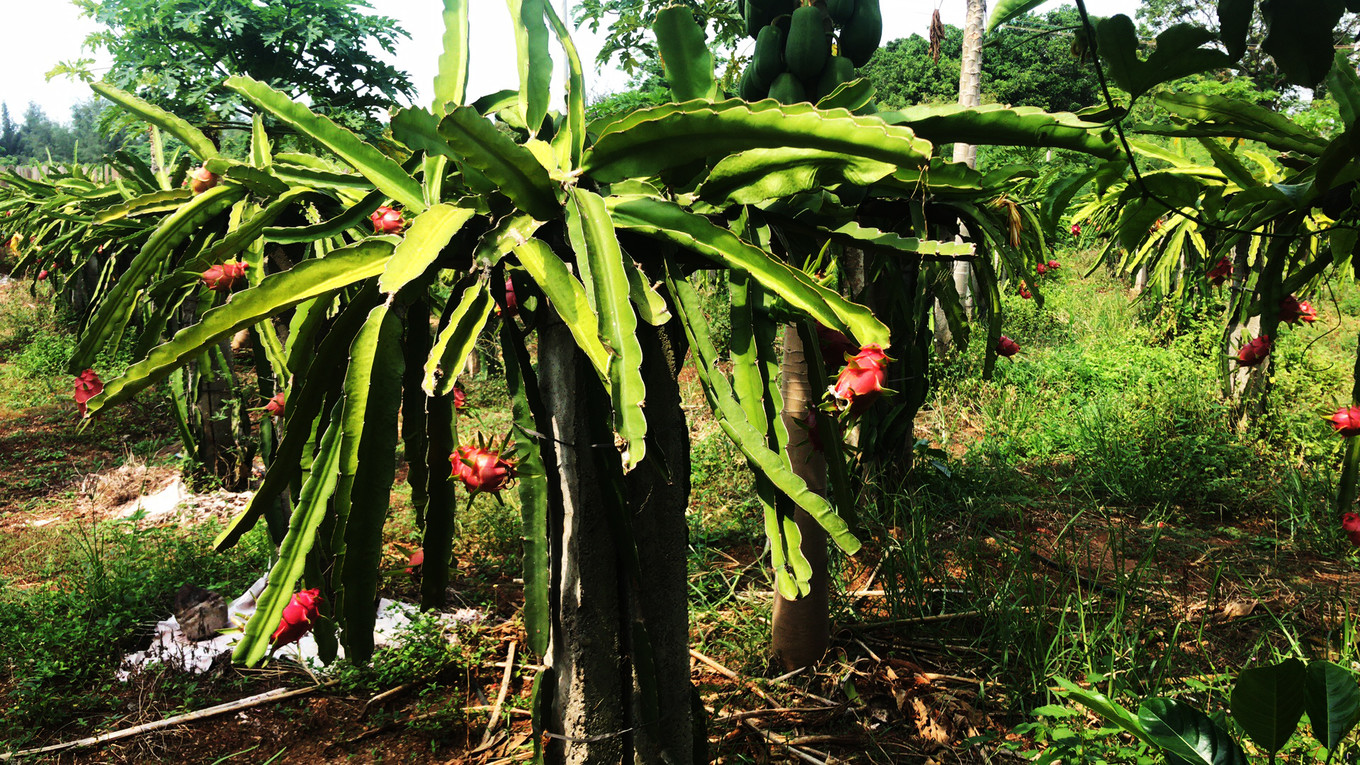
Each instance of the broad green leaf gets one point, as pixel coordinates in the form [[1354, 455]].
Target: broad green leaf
[[568, 298], [457, 339], [670, 222], [302, 528], [105, 328], [1344, 85], [649, 141], [997, 125], [1188, 733], [593, 238], [275, 294], [175, 126], [684, 53], [450, 84], [732, 418], [1268, 702], [367, 472], [472, 139], [1333, 702], [529, 421], [760, 174], [377, 167], [535, 61], [1299, 37], [428, 235], [575, 129], [1179, 52], [1100, 704], [1009, 10]]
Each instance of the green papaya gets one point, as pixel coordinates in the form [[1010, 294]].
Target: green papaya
[[750, 88], [808, 45], [838, 71], [860, 38], [768, 59], [787, 89], [757, 17], [842, 11]]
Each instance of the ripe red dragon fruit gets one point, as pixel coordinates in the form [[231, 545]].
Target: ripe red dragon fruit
[[1076, 229], [275, 406], [1006, 347], [1054, 265], [387, 221], [201, 180], [1346, 421], [42, 275], [1254, 352], [415, 563], [1350, 523], [1293, 310], [298, 616], [1024, 293], [1042, 268], [224, 276], [88, 385], [459, 398], [1220, 272], [481, 469], [861, 381]]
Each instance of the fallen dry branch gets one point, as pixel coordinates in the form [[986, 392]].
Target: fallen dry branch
[[500, 696], [278, 694], [804, 753]]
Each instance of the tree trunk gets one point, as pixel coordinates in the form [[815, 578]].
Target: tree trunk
[[620, 631], [802, 628], [970, 95]]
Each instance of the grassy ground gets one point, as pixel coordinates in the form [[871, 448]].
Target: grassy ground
[[1093, 512]]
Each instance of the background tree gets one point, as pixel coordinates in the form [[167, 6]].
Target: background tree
[[630, 26], [176, 55], [1030, 64], [9, 134]]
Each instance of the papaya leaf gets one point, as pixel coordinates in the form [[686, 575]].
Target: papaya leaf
[[1009, 10], [1185, 732], [1299, 37], [1179, 52]]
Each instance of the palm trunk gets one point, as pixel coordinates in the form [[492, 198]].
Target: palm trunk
[[802, 628]]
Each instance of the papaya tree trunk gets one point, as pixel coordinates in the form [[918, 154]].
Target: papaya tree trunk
[[802, 628], [618, 652]]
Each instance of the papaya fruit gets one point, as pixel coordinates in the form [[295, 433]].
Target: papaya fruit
[[861, 37], [757, 17], [750, 88], [787, 89], [768, 59], [808, 45], [838, 71], [842, 11]]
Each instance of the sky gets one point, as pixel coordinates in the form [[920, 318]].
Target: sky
[[58, 32]]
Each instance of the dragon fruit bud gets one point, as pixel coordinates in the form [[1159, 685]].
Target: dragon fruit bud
[[201, 180]]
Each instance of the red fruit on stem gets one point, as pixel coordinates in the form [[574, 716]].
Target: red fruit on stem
[[276, 405], [42, 275], [1346, 421], [88, 385], [861, 381], [1042, 268], [1006, 347], [1293, 310], [1220, 272], [298, 616], [481, 469], [1350, 523], [201, 180], [1024, 293], [1076, 229], [387, 221], [1254, 352], [222, 277], [1054, 265], [417, 560], [459, 398]]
